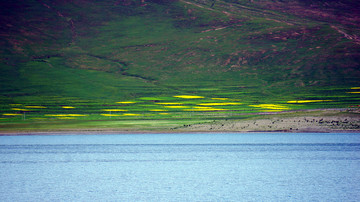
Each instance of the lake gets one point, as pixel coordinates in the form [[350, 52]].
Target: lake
[[181, 167]]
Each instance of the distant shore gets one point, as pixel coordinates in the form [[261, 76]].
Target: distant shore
[[122, 132], [311, 121], [322, 121]]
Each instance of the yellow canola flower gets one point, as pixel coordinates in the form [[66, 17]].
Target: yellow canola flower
[[219, 98], [157, 110], [120, 114], [164, 113], [77, 115], [131, 114], [204, 109], [188, 96], [209, 108], [307, 101], [169, 103], [19, 109], [115, 110], [219, 103], [355, 88], [64, 115], [270, 106], [36, 107], [9, 114], [68, 107], [126, 102], [110, 115], [56, 115], [175, 107], [353, 92]]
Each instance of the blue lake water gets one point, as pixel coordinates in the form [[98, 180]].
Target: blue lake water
[[181, 167]]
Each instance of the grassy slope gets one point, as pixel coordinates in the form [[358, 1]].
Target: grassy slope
[[92, 54]]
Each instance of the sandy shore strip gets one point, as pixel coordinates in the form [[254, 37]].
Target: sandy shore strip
[[194, 130], [294, 124]]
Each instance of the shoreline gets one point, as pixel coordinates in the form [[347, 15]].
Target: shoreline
[[312, 121], [122, 132]]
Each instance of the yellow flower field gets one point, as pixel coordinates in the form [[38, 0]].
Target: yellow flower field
[[115, 110], [128, 114], [169, 103], [110, 115], [35, 107], [307, 101], [131, 115], [220, 103], [63, 115], [271, 106], [68, 107], [204, 109], [66, 117], [188, 96], [10, 114], [176, 107], [19, 109]]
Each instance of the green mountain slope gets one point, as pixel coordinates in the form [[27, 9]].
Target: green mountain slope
[[124, 57]]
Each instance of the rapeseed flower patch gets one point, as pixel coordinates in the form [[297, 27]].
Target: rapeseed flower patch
[[188, 96], [219, 103], [19, 109], [209, 108], [131, 114], [175, 107], [56, 115], [169, 103], [63, 115], [77, 115], [157, 110], [271, 106], [355, 88], [115, 110], [66, 117], [126, 102], [353, 92], [204, 109], [307, 101], [164, 113], [36, 107], [10, 114], [219, 98], [110, 115], [68, 107]]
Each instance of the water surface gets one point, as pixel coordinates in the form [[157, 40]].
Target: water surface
[[181, 167]]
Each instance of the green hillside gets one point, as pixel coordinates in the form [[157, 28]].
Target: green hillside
[[116, 63]]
